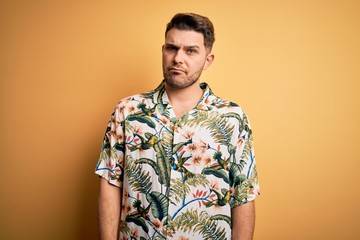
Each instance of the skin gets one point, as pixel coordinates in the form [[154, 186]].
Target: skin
[[184, 57], [108, 210], [243, 221]]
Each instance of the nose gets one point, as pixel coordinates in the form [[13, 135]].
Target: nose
[[178, 58]]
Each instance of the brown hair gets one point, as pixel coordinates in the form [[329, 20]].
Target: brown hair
[[195, 22]]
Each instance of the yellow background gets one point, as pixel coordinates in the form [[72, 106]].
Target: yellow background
[[294, 66]]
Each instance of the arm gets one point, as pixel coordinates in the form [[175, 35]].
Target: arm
[[243, 221], [109, 210]]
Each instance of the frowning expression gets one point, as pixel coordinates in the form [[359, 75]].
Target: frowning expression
[[184, 57]]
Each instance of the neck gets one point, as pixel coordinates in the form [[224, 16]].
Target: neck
[[183, 100]]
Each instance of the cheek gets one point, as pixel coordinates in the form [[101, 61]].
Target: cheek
[[165, 58], [198, 65]]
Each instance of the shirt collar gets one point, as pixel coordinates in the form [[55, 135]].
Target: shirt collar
[[206, 102]]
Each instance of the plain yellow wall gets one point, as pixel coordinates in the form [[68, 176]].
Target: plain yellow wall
[[293, 65]]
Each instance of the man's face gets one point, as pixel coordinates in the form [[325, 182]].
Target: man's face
[[184, 56]]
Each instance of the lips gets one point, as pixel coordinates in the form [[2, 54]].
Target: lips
[[174, 69]]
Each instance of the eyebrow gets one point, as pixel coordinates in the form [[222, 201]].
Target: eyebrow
[[177, 46]]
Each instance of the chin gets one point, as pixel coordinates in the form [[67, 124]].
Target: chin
[[176, 84]]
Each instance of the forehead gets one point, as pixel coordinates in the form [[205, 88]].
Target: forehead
[[184, 38]]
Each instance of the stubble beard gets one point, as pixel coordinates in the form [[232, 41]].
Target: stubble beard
[[181, 81]]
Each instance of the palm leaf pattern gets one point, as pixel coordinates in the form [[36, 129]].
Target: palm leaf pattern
[[159, 204], [139, 180], [221, 129], [175, 172], [163, 163], [201, 223], [180, 188]]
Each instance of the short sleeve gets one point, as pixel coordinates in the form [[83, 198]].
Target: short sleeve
[[244, 179], [110, 164]]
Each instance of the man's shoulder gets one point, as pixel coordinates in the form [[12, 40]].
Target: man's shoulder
[[224, 105], [138, 97]]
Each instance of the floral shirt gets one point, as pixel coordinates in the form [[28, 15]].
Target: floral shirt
[[179, 177]]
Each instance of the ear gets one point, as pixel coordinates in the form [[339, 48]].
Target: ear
[[209, 59]]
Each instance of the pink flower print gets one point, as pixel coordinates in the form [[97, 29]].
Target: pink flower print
[[177, 129], [192, 147], [112, 123], [207, 101], [214, 185], [110, 165], [199, 193], [117, 171], [131, 109], [207, 161], [157, 224], [196, 160], [122, 106], [115, 138], [138, 130], [126, 208], [134, 233], [203, 146], [164, 120], [239, 142], [183, 238], [119, 134], [112, 138], [188, 134]]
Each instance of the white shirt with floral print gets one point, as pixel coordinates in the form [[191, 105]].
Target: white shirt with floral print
[[179, 177]]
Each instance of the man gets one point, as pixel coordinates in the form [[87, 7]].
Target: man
[[178, 162]]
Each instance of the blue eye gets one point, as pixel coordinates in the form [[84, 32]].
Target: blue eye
[[192, 51]]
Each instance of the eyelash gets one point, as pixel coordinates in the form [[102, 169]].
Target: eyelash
[[173, 48]]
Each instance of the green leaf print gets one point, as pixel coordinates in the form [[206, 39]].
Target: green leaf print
[[139, 180], [235, 173], [222, 198], [247, 149], [138, 221], [123, 227], [147, 142], [221, 217], [150, 162], [180, 188], [237, 117], [201, 223], [159, 204], [163, 164], [220, 128], [220, 173], [142, 118], [139, 215]]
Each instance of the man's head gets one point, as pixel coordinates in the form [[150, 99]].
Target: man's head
[[194, 22], [187, 49]]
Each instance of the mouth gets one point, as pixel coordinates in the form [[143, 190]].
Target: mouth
[[176, 70]]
